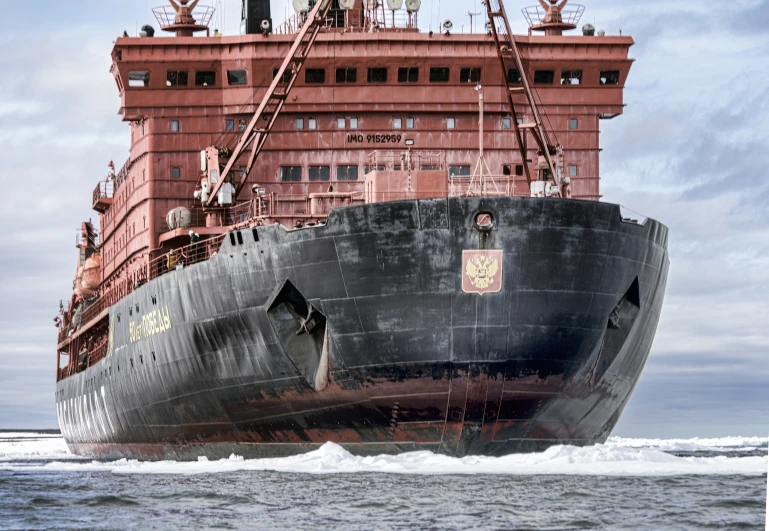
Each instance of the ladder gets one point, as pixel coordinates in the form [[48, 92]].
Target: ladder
[[258, 129], [510, 57]]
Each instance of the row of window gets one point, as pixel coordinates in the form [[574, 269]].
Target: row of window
[[181, 78], [317, 76], [353, 123], [350, 173], [318, 173]]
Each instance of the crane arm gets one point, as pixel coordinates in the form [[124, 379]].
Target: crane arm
[[258, 129]]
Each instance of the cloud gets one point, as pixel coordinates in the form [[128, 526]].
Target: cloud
[[691, 150]]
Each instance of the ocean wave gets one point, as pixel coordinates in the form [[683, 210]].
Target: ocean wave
[[598, 460]]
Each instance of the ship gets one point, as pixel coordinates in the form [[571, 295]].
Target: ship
[[348, 229]]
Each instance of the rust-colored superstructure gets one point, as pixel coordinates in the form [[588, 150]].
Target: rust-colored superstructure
[[379, 112]]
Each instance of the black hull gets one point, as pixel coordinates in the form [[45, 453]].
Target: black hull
[[206, 360]]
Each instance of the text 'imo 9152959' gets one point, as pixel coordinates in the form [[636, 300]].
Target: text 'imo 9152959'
[[347, 229]]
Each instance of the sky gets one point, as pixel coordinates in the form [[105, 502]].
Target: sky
[[691, 150]]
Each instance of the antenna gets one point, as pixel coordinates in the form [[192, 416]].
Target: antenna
[[472, 15]]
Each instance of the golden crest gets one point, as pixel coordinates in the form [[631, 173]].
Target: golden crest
[[482, 271]]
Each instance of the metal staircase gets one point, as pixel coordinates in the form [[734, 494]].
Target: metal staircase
[[258, 129], [510, 58]]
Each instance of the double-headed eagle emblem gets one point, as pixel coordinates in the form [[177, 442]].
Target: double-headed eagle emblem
[[482, 272]]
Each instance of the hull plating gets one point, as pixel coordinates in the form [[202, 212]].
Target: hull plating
[[222, 357]]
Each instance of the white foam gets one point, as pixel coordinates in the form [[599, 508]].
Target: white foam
[[694, 444], [333, 459], [17, 446], [619, 457]]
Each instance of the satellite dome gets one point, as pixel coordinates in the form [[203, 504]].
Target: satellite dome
[[413, 5], [301, 6]]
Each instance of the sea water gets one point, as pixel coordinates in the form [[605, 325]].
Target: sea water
[[624, 484]]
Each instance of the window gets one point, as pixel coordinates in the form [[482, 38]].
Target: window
[[286, 75], [514, 76], [237, 77], [347, 173], [315, 76], [300, 123], [397, 123], [353, 123], [571, 77], [176, 172], [205, 79], [408, 75], [507, 123], [138, 79], [242, 125], [369, 169], [175, 126], [242, 171], [377, 75], [290, 173], [229, 125], [573, 124], [608, 77], [176, 78], [459, 171], [572, 171], [507, 170], [346, 75], [440, 75], [544, 77], [320, 173], [451, 123], [470, 75], [409, 123], [341, 123], [312, 124]]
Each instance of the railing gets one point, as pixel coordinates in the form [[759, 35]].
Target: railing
[[378, 19], [166, 15], [486, 186], [104, 190], [405, 160], [185, 256], [536, 15]]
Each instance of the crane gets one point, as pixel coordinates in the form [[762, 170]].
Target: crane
[[550, 156], [258, 129]]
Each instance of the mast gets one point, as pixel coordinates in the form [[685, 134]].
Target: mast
[[270, 107], [507, 50]]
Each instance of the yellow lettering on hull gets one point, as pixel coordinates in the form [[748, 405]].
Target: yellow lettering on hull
[[154, 323]]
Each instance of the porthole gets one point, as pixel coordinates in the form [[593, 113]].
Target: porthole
[[484, 221]]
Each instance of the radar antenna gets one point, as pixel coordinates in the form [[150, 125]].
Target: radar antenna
[[272, 103], [509, 56]]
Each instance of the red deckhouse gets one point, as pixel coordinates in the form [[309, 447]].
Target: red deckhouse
[[378, 111]]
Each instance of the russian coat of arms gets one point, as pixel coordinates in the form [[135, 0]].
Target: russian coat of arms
[[482, 271]]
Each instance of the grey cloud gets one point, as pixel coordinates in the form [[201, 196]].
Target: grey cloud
[[690, 150]]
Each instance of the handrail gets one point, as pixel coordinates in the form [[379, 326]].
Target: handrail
[[194, 253]]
